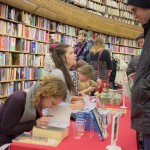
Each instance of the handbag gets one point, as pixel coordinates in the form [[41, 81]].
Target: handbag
[[105, 83]]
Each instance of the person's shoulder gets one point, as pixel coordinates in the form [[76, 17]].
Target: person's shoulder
[[56, 71], [90, 42], [17, 96], [105, 51]]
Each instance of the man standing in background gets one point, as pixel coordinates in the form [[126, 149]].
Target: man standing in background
[[82, 47], [132, 66], [140, 98]]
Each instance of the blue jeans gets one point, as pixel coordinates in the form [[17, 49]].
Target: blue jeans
[[146, 141]]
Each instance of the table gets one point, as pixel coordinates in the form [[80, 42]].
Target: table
[[127, 139]]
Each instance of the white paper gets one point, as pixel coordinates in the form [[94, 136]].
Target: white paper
[[61, 116]]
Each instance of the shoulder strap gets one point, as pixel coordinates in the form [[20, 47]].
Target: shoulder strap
[[99, 63]]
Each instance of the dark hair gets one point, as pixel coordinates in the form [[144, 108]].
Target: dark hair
[[58, 55]]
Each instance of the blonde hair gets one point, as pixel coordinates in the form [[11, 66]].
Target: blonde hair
[[86, 70], [80, 63], [51, 86], [98, 45]]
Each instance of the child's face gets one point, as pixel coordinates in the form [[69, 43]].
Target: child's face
[[82, 77], [70, 57]]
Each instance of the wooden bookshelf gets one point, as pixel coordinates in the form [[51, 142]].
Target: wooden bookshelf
[[63, 12], [62, 17]]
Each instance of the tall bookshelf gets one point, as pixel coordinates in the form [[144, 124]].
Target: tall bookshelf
[[112, 9], [24, 41]]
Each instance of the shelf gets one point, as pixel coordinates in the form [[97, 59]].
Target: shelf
[[68, 14], [37, 40], [87, 7], [10, 20], [109, 5], [39, 28], [19, 37], [18, 80], [122, 45], [122, 53], [18, 66], [22, 52], [4, 96]]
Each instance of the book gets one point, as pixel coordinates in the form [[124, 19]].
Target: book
[[98, 124], [50, 132], [27, 138]]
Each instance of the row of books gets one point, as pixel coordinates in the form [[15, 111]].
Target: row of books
[[110, 10], [121, 41], [67, 29], [104, 8], [12, 13], [11, 28], [8, 74], [125, 20], [21, 30], [121, 49], [8, 88], [23, 45], [64, 39], [123, 57], [60, 28], [7, 58]]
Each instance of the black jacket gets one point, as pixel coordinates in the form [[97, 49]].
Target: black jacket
[[132, 66], [114, 69], [140, 98]]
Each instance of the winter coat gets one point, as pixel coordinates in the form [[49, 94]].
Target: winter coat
[[140, 98], [85, 49], [132, 66]]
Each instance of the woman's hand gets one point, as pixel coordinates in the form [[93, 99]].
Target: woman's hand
[[99, 82], [43, 121]]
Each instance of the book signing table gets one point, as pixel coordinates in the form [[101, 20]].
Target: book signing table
[[127, 139]]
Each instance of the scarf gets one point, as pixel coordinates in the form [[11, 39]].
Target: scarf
[[30, 111]]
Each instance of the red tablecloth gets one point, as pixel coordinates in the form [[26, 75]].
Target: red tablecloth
[[126, 139]]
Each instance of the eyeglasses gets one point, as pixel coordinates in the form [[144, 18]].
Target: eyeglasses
[[133, 10]]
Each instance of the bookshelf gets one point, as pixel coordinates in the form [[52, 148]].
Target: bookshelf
[[25, 27], [111, 9]]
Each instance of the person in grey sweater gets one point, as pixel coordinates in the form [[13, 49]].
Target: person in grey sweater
[[64, 58], [21, 110]]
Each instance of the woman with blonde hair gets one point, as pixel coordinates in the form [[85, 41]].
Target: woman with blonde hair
[[100, 59], [21, 110]]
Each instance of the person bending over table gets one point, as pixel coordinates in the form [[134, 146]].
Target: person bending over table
[[21, 110]]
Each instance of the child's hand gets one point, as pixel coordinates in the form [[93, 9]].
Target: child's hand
[[91, 88]]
